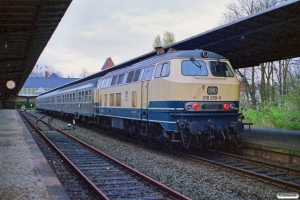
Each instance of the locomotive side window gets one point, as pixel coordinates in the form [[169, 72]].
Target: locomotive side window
[[99, 84], [162, 70], [130, 77], [148, 73], [137, 75], [103, 83], [220, 69], [193, 68], [114, 81], [107, 82], [120, 79]]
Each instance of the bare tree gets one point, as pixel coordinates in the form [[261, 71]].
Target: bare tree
[[84, 73], [236, 10], [41, 70]]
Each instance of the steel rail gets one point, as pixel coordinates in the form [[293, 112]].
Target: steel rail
[[289, 170], [161, 186], [94, 187], [260, 177]]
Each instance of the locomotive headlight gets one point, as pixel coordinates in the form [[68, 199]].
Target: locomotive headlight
[[232, 106], [188, 107]]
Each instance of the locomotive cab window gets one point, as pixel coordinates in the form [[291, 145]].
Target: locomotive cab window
[[162, 70], [193, 68], [220, 69]]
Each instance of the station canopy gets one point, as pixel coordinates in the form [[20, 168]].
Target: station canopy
[[25, 29], [269, 35]]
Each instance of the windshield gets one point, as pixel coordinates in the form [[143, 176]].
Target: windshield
[[193, 68], [220, 69]]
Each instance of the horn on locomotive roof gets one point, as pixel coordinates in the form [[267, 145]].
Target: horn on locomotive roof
[[159, 50]]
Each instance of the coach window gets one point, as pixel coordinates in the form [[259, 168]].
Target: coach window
[[90, 96], [86, 96], [120, 79], [148, 73], [193, 68], [114, 81]]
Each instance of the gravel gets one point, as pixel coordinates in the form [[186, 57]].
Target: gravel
[[197, 181]]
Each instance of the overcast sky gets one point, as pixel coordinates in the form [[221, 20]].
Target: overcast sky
[[93, 30]]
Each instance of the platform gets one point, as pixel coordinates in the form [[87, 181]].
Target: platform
[[24, 172], [273, 137], [275, 144]]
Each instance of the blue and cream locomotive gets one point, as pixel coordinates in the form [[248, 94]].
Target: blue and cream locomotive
[[179, 97]]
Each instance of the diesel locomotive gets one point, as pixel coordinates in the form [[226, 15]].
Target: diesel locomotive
[[188, 97]]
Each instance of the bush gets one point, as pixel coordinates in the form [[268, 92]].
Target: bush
[[25, 105], [273, 117]]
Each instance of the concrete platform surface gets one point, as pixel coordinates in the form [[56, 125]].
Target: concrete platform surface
[[272, 137], [24, 172]]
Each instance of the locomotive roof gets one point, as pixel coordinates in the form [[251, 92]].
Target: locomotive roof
[[155, 58], [167, 56]]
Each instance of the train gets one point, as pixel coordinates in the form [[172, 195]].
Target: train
[[178, 98]]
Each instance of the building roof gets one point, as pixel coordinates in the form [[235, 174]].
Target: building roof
[[108, 63], [51, 82]]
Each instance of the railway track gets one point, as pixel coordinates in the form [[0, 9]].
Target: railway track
[[109, 178], [284, 177]]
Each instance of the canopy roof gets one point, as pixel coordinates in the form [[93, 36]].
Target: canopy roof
[[25, 29]]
